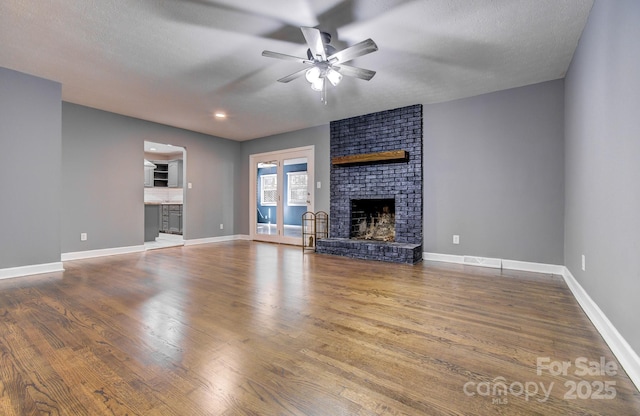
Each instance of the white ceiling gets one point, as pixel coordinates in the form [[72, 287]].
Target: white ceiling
[[177, 62]]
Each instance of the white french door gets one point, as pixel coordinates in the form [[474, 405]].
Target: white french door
[[281, 191]]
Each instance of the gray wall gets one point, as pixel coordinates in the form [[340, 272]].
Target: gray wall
[[103, 177], [30, 169], [602, 219], [493, 171], [317, 136], [494, 174]]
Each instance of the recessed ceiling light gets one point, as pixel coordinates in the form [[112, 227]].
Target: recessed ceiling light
[[153, 148], [220, 115]]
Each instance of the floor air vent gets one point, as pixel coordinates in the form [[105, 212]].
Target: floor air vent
[[483, 262]]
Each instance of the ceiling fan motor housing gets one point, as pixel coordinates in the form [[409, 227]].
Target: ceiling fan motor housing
[[329, 49]]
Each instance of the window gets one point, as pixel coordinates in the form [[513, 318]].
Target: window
[[269, 189], [297, 189]]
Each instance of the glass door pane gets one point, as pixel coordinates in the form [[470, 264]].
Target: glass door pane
[[296, 195], [267, 198]]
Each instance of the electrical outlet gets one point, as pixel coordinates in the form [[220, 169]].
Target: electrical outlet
[[189, 185], [222, 226], [584, 263], [456, 239], [83, 236], [319, 185]]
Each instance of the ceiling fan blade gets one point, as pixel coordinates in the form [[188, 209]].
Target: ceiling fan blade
[[293, 76], [352, 71], [285, 57], [352, 52], [314, 40]]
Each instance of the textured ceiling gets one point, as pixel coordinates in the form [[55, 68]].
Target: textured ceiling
[[177, 62]]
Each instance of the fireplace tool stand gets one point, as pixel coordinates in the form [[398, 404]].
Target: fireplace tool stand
[[314, 226]]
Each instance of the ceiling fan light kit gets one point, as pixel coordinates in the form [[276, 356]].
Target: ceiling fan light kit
[[318, 84], [325, 63], [333, 76], [313, 74]]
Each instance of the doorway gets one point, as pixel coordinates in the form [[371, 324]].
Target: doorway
[[164, 195], [281, 191]]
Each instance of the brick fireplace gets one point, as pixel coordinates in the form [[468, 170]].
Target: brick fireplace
[[376, 187]]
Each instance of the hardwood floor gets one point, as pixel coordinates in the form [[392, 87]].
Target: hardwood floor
[[244, 328]]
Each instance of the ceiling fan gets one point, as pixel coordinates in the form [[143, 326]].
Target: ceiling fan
[[324, 63]]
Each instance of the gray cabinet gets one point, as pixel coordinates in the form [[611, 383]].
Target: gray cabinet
[[148, 176], [175, 174], [175, 219], [151, 216], [171, 218], [164, 218]]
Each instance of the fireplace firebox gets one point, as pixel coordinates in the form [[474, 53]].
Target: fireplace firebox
[[373, 219]]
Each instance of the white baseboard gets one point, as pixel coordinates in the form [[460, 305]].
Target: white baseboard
[[496, 263], [79, 255], [627, 357], [447, 258], [527, 266], [208, 240], [32, 269]]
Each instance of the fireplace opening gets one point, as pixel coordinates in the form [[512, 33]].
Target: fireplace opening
[[373, 219]]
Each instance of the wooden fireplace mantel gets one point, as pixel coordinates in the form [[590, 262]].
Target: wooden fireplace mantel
[[388, 156]]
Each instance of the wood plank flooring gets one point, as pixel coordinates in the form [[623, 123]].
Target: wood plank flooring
[[244, 328]]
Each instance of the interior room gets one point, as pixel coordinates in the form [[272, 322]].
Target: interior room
[[475, 161], [164, 166]]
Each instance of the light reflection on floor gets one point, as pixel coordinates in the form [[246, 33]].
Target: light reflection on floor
[[271, 229], [162, 326]]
